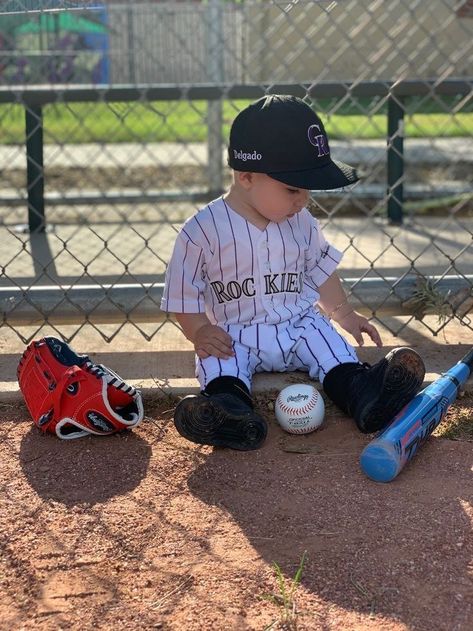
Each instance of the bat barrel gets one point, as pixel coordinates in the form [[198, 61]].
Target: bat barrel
[[380, 461]]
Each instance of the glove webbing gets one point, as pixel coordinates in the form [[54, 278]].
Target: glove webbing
[[99, 371]]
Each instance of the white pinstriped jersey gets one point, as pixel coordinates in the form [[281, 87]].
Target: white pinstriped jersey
[[239, 274]]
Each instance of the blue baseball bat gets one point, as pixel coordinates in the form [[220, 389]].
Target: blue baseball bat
[[386, 455]]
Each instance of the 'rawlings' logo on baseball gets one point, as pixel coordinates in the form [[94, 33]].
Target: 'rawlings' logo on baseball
[[297, 411], [299, 397]]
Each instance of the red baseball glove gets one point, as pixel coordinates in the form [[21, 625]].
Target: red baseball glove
[[70, 396]]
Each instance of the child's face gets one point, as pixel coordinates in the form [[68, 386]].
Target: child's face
[[275, 200]]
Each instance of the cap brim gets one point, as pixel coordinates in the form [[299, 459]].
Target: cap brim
[[332, 175]]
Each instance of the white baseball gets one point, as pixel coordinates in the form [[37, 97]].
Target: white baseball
[[299, 408]]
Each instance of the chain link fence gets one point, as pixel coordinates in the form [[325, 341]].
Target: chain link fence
[[113, 123]]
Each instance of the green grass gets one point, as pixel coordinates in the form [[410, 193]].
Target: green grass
[[183, 121], [416, 126], [284, 599]]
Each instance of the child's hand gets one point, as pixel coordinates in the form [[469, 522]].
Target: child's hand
[[356, 325], [210, 339]]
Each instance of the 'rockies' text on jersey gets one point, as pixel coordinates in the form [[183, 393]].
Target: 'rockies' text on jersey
[[238, 274]]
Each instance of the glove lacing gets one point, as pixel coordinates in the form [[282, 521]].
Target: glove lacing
[[99, 371]]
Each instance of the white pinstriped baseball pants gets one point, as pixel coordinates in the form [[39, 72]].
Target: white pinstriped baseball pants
[[309, 343]]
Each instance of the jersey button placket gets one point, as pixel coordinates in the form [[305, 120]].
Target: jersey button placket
[[265, 268], [265, 252]]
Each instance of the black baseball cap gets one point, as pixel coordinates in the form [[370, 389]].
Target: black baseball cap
[[282, 136]]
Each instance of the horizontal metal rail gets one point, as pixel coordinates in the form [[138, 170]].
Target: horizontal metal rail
[[42, 95], [139, 302]]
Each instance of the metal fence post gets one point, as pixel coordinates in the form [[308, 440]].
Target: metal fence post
[[215, 51], [34, 167], [131, 44], [395, 159]]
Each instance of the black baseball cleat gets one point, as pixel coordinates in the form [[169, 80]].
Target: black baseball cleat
[[379, 392], [220, 420]]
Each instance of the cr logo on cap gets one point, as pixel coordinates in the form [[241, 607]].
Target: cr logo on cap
[[318, 139]]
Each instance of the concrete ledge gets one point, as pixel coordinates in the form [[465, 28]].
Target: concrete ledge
[[165, 365], [181, 387]]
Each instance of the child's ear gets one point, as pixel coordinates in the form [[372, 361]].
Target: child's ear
[[245, 179]]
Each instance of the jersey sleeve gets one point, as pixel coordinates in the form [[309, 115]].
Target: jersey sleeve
[[322, 258], [184, 284]]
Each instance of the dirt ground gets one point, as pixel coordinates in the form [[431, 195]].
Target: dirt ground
[[144, 530]]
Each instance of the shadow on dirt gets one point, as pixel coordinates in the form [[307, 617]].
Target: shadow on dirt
[[401, 550], [88, 470]]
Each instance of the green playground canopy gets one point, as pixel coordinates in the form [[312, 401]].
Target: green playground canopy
[[50, 22]]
